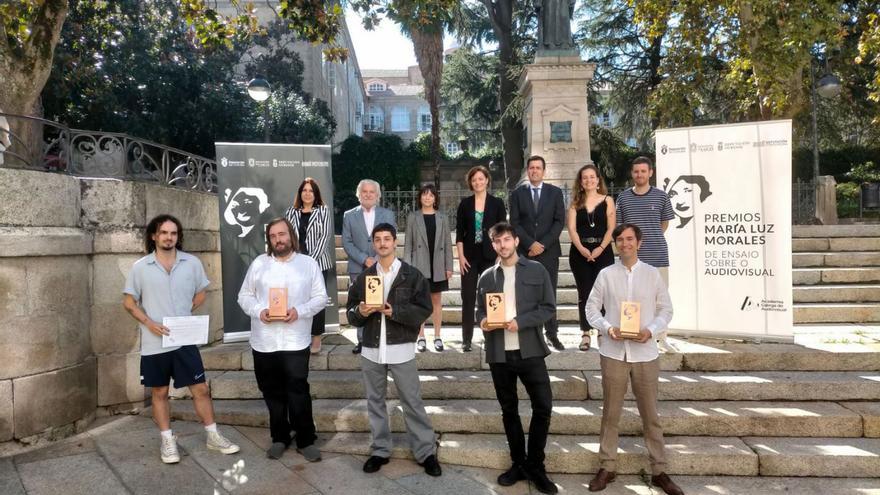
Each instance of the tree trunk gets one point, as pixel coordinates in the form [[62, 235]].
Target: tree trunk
[[501, 16], [428, 45]]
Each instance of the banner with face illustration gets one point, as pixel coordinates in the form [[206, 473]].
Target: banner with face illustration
[[256, 183], [730, 243]]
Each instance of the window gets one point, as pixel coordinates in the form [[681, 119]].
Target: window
[[424, 119], [400, 120], [453, 148], [331, 74], [375, 120], [376, 86], [606, 119]]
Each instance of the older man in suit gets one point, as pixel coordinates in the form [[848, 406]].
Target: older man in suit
[[357, 224], [537, 212]]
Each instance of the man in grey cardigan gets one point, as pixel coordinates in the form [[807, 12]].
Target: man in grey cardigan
[[518, 351], [357, 225]]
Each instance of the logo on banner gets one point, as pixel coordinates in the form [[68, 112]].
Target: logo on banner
[[243, 209], [682, 192], [224, 162], [274, 163], [251, 162]]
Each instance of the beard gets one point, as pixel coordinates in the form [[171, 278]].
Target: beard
[[282, 249]]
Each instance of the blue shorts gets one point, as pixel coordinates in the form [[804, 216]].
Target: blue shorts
[[184, 365]]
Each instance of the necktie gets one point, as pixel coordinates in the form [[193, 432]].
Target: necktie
[[536, 196]]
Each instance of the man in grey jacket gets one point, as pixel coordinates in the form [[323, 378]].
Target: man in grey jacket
[[357, 225], [518, 351]]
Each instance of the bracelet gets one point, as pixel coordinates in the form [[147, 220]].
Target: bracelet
[[603, 247]]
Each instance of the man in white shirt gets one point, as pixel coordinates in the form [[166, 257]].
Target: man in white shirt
[[390, 334], [281, 348], [630, 359]]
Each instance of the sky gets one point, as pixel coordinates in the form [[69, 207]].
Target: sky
[[384, 47]]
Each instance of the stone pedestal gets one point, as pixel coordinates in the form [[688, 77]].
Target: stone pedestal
[[556, 121]]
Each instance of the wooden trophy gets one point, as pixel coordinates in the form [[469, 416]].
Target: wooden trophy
[[277, 303], [495, 311], [630, 319], [374, 293]]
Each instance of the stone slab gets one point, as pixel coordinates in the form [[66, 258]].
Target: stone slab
[[837, 313], [111, 202], [861, 230], [326, 478], [359, 444], [870, 412], [434, 385], [78, 444], [578, 454], [341, 357], [44, 241], [247, 472], [809, 245], [854, 244], [706, 355], [198, 211], [7, 423], [57, 195], [727, 485], [763, 385], [831, 457], [10, 484], [316, 362], [223, 356], [119, 379], [837, 294], [85, 474], [566, 314], [37, 398]]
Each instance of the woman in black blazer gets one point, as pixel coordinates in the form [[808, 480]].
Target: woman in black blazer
[[311, 223], [476, 215]]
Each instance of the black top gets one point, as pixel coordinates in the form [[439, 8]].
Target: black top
[[493, 212], [303, 225], [593, 223], [431, 230]]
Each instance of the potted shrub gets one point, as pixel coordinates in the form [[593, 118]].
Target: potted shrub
[[868, 175]]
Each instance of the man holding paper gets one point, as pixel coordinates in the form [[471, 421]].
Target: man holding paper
[[637, 305], [168, 282], [281, 293]]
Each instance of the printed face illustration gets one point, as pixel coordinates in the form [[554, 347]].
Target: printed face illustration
[[244, 208], [685, 193], [494, 302]]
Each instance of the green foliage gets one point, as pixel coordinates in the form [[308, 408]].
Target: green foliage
[[612, 155], [836, 162], [420, 147], [848, 194], [471, 99], [864, 173]]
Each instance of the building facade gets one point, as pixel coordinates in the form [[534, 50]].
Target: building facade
[[395, 103]]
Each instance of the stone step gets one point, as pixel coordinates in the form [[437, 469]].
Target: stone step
[[718, 419], [452, 298], [836, 313], [691, 355], [838, 457], [579, 454], [565, 281], [814, 276], [837, 293], [817, 244], [840, 260], [564, 264], [725, 485], [761, 385], [434, 385], [565, 314], [401, 238], [835, 231]]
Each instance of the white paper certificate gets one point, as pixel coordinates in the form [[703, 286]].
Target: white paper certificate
[[185, 330]]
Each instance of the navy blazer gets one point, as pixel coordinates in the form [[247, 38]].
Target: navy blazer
[[544, 224]]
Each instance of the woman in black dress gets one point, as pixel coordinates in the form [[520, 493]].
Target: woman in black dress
[[590, 219], [310, 218], [428, 247], [476, 215]]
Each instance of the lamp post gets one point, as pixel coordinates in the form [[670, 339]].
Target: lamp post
[[828, 86], [259, 90]]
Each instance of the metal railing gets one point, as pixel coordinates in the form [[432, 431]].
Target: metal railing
[[803, 202], [40, 144]]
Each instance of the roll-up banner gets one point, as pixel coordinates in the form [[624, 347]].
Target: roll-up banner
[[730, 242], [256, 183]]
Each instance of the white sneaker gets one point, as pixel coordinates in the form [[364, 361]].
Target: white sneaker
[[216, 441], [168, 450]]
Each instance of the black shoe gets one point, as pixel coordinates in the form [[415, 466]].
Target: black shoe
[[541, 481], [466, 347], [357, 349], [374, 463], [512, 475], [432, 467], [554, 341]]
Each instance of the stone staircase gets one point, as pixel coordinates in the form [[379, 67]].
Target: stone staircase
[[752, 415], [836, 274]]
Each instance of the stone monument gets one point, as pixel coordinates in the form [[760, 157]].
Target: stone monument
[[556, 121]]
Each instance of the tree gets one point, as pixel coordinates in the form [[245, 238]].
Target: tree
[[470, 95]]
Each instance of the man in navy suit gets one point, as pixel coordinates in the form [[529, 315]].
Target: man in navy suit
[[357, 224], [537, 212]]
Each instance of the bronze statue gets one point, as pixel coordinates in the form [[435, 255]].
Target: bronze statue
[[554, 25]]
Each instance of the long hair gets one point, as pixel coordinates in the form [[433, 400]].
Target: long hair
[[294, 242], [579, 198], [153, 228], [297, 203]]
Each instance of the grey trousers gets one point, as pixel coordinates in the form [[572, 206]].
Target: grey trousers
[[422, 440]]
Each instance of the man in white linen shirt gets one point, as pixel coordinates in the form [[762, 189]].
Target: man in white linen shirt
[[281, 348], [635, 359], [390, 334]]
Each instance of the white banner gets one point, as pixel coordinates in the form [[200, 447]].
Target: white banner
[[730, 243]]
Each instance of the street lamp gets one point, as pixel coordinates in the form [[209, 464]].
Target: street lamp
[[259, 90], [828, 86]]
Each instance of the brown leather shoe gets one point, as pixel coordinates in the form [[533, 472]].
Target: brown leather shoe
[[601, 480], [663, 481]]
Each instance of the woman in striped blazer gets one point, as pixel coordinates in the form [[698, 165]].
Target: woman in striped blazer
[[310, 218]]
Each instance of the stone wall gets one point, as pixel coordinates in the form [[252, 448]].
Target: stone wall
[[67, 347]]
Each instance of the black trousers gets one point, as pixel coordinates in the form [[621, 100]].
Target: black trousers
[[551, 264], [479, 264], [533, 374], [282, 377], [585, 273], [319, 320]]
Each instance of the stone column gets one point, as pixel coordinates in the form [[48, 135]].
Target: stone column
[[556, 121], [826, 200]]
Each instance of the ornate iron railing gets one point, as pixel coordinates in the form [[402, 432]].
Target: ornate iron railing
[[40, 144]]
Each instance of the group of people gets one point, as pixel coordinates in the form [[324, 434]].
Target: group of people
[[518, 258]]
